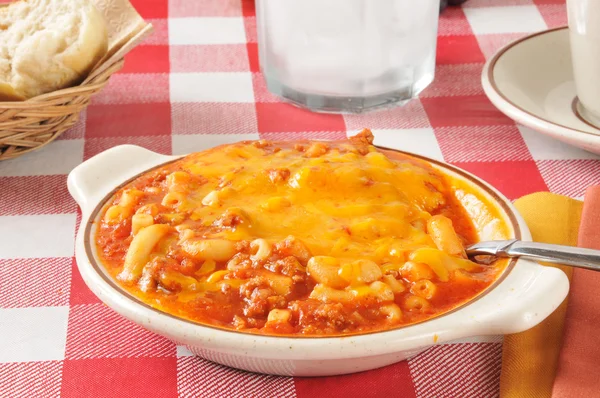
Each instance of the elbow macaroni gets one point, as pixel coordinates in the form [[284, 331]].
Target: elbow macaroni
[[263, 249], [441, 231], [139, 221], [209, 249], [305, 238], [138, 254]]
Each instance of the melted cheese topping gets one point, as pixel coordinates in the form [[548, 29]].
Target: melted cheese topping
[[301, 238], [340, 204]]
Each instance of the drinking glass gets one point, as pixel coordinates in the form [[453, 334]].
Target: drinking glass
[[347, 55]]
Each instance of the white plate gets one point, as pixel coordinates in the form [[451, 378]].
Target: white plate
[[531, 81]]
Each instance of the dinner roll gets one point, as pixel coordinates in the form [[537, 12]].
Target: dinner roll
[[46, 45]]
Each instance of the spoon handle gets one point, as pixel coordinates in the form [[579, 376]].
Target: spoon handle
[[567, 255]]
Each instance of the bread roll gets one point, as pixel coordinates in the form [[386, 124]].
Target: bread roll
[[46, 45]]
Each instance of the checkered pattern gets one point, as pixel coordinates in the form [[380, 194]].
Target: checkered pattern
[[195, 84]]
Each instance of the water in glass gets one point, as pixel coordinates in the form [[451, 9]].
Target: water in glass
[[347, 55]]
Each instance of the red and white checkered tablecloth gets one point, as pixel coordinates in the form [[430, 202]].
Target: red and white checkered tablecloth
[[194, 84]]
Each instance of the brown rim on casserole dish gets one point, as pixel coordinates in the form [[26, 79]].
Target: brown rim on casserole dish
[[513, 223]]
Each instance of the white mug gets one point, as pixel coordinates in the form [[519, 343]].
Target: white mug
[[584, 28]]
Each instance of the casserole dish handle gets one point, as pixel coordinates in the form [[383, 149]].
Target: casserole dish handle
[[92, 180], [530, 294]]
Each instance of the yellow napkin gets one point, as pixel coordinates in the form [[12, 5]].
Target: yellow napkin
[[530, 359]]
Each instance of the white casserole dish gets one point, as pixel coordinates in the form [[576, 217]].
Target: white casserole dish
[[521, 298]]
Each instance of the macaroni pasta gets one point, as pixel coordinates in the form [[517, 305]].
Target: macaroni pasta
[[295, 238]]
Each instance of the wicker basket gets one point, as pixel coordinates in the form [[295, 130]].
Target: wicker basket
[[29, 125]]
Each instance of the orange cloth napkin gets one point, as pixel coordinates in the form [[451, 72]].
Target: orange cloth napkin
[[579, 359], [533, 364]]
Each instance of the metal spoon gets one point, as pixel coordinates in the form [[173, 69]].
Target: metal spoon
[[567, 255]]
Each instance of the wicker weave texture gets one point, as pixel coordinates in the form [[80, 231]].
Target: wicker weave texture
[[29, 125]]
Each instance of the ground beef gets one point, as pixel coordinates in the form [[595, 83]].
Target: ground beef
[[278, 175], [291, 246], [239, 322], [240, 261], [257, 304], [362, 141], [255, 323], [317, 149], [259, 298], [288, 266], [231, 218], [365, 137], [317, 317], [261, 143], [241, 273], [242, 246]]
